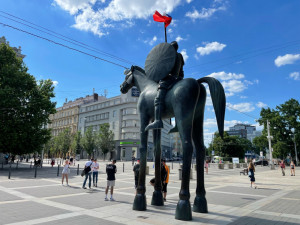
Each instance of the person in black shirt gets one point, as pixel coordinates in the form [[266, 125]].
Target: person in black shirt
[[111, 169], [136, 170]]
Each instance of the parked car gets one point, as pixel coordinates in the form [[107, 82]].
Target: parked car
[[259, 162]]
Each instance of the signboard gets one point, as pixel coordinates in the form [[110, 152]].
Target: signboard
[[129, 143], [235, 160], [135, 92], [261, 153]]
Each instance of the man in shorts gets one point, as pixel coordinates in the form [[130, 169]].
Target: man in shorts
[[111, 169]]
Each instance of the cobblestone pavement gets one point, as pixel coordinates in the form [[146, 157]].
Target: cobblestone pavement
[[43, 200]]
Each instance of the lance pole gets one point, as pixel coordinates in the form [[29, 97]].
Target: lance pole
[[165, 33]]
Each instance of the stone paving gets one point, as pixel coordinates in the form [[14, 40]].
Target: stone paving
[[43, 200]]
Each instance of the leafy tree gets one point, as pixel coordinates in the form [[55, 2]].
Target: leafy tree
[[261, 143], [282, 119], [65, 141], [105, 139], [25, 106], [88, 141], [76, 143]]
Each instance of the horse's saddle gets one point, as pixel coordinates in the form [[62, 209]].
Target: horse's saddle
[[160, 61]]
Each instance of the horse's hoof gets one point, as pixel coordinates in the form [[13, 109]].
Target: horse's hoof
[[183, 210], [200, 205], [157, 198], [140, 203]]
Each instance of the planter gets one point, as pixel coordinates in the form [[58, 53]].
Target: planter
[[221, 166], [230, 166]]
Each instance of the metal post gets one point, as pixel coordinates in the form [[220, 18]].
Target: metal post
[[35, 170], [296, 153], [270, 144], [2, 165], [9, 172], [78, 169], [123, 167], [57, 170]]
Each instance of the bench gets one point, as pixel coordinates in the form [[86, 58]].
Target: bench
[[244, 171]]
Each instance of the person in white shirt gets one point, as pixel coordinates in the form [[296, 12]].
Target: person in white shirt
[[95, 168], [65, 172], [88, 173]]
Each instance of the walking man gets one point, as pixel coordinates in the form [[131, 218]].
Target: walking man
[[165, 179], [136, 170], [95, 167], [88, 173], [111, 169], [282, 166]]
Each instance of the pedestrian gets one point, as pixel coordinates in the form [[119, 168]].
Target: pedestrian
[[136, 170], [52, 162], [65, 173], [88, 173], [165, 179], [282, 166], [251, 170], [111, 170], [133, 159], [292, 168], [95, 168], [206, 166], [71, 161]]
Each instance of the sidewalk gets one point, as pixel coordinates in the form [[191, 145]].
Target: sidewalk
[[43, 200]]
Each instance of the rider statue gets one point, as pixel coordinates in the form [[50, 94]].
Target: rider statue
[[164, 85]]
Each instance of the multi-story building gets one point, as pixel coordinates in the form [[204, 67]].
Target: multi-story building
[[67, 115], [244, 131], [16, 50], [176, 143], [121, 114]]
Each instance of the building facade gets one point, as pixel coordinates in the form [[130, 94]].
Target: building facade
[[121, 114], [67, 115], [244, 131], [16, 50]]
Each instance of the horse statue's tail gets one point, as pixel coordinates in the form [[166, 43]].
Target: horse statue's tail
[[218, 98]]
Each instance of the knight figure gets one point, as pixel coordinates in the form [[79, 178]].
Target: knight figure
[[174, 75]]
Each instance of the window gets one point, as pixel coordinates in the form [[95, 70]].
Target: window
[[113, 125], [114, 113]]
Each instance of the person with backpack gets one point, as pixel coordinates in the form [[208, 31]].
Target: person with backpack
[[165, 179], [88, 173], [136, 170]]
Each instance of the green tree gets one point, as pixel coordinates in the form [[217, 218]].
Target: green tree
[[105, 139], [282, 119], [66, 139], [88, 141], [25, 106], [76, 143], [261, 143]]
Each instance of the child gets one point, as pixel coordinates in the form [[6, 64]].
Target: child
[[292, 168]]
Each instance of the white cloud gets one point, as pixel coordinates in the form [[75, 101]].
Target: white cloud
[[243, 107], [242, 96], [154, 39], [55, 83], [295, 76], [226, 76], [189, 1], [179, 39], [286, 59], [184, 54], [233, 86], [210, 47], [205, 13], [92, 15], [261, 105]]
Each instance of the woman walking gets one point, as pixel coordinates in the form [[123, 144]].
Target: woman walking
[[206, 166], [292, 168], [65, 173], [251, 170]]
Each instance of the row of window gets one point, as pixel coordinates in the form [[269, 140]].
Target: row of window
[[130, 123], [130, 135], [101, 116], [129, 111], [100, 105], [64, 114], [64, 122]]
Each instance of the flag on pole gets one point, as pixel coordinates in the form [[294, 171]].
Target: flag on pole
[[160, 18]]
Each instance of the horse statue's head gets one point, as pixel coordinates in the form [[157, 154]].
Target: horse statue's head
[[128, 83]]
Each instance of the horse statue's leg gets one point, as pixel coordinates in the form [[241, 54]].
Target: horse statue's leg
[[140, 202], [157, 197], [200, 203], [183, 209]]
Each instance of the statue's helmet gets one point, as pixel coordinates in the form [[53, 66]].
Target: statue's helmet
[[175, 45]]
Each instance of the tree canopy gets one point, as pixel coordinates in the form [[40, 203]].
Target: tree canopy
[[105, 139], [25, 106]]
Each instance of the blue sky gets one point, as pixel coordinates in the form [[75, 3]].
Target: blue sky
[[252, 47]]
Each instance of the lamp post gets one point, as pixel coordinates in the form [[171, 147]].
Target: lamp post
[[296, 154], [270, 144]]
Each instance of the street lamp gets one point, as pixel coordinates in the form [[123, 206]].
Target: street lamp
[[270, 144], [296, 154]]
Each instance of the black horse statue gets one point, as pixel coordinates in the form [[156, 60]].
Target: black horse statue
[[185, 101]]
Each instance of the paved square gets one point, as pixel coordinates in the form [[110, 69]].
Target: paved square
[[43, 200]]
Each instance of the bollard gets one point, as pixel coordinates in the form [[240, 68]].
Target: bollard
[[9, 172], [17, 164], [30, 164], [123, 167], [57, 170], [78, 169], [35, 170]]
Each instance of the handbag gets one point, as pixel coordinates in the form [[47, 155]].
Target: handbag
[[82, 172], [249, 174]]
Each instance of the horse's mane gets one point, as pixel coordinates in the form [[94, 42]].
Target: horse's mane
[[140, 70]]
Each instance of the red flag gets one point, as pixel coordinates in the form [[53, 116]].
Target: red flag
[[159, 18]]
